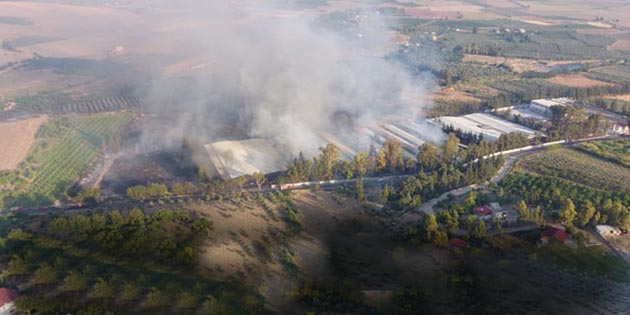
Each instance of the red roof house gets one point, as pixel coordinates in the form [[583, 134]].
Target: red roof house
[[457, 243], [556, 233], [483, 210], [6, 296]]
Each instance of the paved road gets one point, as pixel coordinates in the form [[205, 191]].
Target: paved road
[[410, 216]]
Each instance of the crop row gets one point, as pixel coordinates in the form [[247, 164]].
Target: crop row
[[580, 168], [74, 151], [108, 104]]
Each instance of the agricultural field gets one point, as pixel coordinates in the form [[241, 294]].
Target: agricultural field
[[64, 149], [578, 167], [576, 80], [613, 74], [16, 140], [617, 151], [60, 102]]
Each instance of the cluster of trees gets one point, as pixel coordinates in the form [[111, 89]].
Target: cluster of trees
[[444, 169], [133, 264], [568, 122], [577, 204], [618, 106], [388, 159], [136, 236], [143, 192]]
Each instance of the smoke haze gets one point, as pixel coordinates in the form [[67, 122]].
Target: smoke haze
[[279, 77]]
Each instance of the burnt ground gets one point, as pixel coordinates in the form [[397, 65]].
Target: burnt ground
[[144, 168]]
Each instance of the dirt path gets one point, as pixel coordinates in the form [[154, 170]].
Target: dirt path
[[107, 164]]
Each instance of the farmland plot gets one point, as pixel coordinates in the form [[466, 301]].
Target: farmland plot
[[65, 149], [580, 168], [16, 139]]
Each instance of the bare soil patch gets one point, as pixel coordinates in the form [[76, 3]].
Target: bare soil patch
[[16, 140], [622, 44], [576, 80], [450, 95], [520, 65]]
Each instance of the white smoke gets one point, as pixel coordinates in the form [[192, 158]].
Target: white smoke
[[279, 77]]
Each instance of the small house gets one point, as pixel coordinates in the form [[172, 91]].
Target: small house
[[457, 243], [553, 233], [607, 230], [6, 301]]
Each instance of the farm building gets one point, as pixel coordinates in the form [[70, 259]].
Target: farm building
[[230, 159], [543, 106], [553, 233], [524, 112], [408, 133], [607, 231], [457, 244], [6, 301], [491, 127], [620, 129]]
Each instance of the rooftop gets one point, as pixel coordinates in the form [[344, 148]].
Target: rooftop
[[490, 126], [483, 210], [556, 233], [458, 243], [6, 296]]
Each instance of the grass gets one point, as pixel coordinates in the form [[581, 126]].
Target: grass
[[578, 167], [617, 151]]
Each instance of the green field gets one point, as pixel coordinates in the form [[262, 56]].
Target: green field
[[616, 151], [66, 146], [578, 167]]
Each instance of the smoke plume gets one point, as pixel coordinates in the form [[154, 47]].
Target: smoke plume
[[274, 74]]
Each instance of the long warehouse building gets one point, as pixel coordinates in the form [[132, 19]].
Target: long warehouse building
[[490, 126]]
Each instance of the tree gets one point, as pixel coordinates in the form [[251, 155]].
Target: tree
[[470, 223], [186, 300], [360, 190], [449, 148], [440, 239], [393, 154], [522, 211], [498, 225], [17, 267], [385, 194], [568, 213], [157, 298], [45, 274], [102, 289], [471, 200], [74, 282], [329, 157], [130, 292], [360, 164], [259, 178], [89, 195], [451, 220], [480, 229], [430, 226], [587, 213], [428, 158]]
